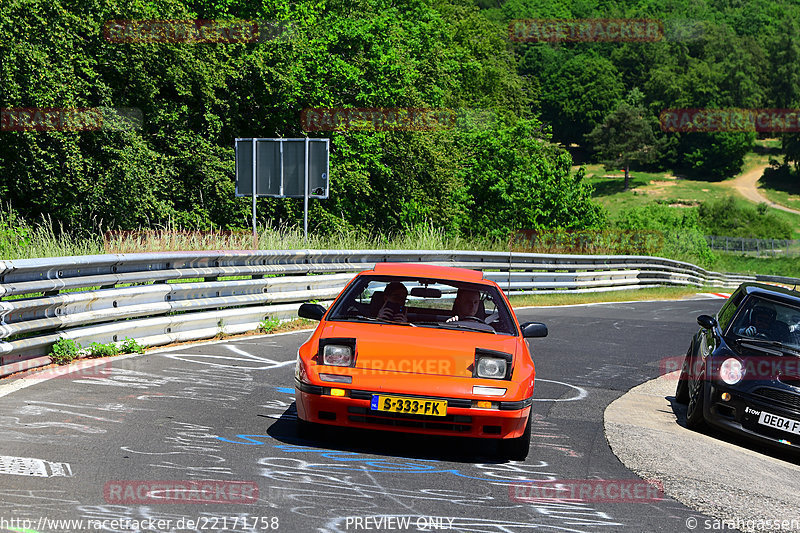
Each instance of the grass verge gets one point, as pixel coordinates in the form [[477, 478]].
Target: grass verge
[[571, 298], [770, 266]]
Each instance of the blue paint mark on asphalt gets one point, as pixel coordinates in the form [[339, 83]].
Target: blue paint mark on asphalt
[[285, 390], [367, 463], [247, 440]]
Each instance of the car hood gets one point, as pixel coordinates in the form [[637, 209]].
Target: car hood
[[420, 350]]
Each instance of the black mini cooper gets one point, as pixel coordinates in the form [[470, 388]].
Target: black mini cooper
[[742, 370]]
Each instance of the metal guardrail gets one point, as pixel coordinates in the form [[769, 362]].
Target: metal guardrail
[[156, 298]]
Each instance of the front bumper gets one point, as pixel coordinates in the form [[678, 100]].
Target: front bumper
[[315, 404], [740, 414]]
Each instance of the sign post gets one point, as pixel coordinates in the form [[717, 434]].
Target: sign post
[[255, 233], [283, 168]]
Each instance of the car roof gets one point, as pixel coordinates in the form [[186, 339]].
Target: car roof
[[762, 289], [427, 271]]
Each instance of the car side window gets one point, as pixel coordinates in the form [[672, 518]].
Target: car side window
[[728, 310]]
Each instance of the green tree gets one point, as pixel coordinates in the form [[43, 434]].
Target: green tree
[[527, 185], [577, 90], [625, 136]]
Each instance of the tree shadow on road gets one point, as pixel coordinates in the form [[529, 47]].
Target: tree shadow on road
[[781, 179]]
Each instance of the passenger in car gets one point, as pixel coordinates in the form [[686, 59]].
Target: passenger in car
[[394, 306]]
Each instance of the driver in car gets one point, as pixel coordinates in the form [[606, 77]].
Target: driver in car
[[466, 304], [762, 324]]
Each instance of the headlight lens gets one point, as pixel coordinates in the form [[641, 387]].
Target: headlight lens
[[731, 371], [491, 367], [337, 355]]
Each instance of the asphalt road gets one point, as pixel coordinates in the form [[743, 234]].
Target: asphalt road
[[85, 446]]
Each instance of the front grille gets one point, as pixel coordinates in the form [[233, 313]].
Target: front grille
[[780, 396], [454, 423]]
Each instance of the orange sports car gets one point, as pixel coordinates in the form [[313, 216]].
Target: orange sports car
[[420, 349]]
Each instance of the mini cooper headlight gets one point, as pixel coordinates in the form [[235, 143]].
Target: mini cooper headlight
[[731, 371], [491, 367], [337, 355]]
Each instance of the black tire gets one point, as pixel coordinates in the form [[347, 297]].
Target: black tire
[[517, 449], [682, 390], [694, 409]]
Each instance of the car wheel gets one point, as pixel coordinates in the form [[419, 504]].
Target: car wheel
[[694, 410], [517, 449], [682, 390]]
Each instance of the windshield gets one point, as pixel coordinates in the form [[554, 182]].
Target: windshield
[[765, 319], [425, 303]]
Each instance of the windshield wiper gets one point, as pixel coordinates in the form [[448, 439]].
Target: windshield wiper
[[455, 325], [766, 342], [362, 318]]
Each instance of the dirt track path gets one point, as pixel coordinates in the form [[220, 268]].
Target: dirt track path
[[746, 185]]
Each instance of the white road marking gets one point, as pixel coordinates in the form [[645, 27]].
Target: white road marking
[[29, 466], [582, 393], [241, 356]]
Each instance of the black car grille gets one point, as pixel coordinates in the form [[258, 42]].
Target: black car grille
[[455, 423], [780, 396]]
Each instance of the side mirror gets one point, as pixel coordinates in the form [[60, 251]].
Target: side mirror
[[533, 329], [312, 311], [707, 322]]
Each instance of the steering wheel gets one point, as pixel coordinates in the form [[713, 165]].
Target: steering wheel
[[760, 336], [470, 317]]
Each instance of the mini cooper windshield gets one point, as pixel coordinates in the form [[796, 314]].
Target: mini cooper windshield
[[417, 302], [768, 322]]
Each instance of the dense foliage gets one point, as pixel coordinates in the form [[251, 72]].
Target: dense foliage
[[727, 217], [713, 55], [491, 177], [485, 180]]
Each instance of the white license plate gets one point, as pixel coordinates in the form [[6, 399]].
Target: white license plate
[[778, 422]]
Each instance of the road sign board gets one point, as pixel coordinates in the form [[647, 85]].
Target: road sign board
[[280, 167]]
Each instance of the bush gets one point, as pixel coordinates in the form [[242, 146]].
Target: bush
[[14, 233], [130, 346], [728, 218], [103, 350], [684, 239], [64, 351], [269, 324]]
